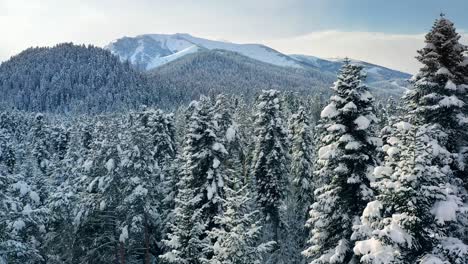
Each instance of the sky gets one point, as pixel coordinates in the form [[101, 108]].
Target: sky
[[385, 32]]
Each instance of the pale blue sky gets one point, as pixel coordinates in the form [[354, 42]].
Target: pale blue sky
[[385, 32]]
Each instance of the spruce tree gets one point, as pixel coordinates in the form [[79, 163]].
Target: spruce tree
[[270, 160], [347, 154], [439, 89], [300, 135], [419, 215], [97, 223], [238, 232], [411, 218], [199, 199]]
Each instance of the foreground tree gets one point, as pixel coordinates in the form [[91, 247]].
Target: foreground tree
[[346, 155], [419, 215], [440, 87]]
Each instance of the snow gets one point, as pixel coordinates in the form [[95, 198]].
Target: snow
[[110, 165], [382, 171], [102, 205], [326, 152], [431, 259], [353, 145], [22, 187], [451, 101], [340, 251], [395, 232], [124, 234], [443, 71], [140, 191], [445, 211], [35, 197], [329, 111], [362, 122], [211, 190], [216, 163], [27, 210], [350, 106], [219, 147], [450, 85], [158, 61], [366, 96], [230, 134], [403, 126], [373, 251], [393, 140], [372, 209], [87, 165], [18, 225], [392, 151], [336, 127]]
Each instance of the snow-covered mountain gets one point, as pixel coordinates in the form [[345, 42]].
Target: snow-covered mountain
[[153, 50], [148, 52], [374, 72]]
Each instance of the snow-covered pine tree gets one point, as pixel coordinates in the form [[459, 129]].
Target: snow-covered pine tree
[[146, 163], [97, 222], [300, 189], [440, 88], [345, 158], [409, 221], [302, 157], [236, 237], [238, 232], [228, 132], [419, 215], [25, 218], [200, 188], [270, 160]]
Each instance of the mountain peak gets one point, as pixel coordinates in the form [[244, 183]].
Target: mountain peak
[[152, 50]]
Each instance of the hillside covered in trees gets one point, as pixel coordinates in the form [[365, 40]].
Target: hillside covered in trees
[[70, 78]]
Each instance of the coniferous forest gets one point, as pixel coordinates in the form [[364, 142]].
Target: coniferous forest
[[136, 175]]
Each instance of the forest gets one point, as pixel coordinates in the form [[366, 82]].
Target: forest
[[285, 178]]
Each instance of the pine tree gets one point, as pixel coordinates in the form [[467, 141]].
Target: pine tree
[[419, 215], [410, 219], [24, 216], [200, 192], [301, 157], [97, 223], [270, 160], [148, 152], [236, 238], [347, 154], [439, 92]]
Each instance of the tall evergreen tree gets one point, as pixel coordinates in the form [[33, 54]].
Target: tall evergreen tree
[[411, 218], [270, 160], [419, 215], [97, 225], [439, 95], [347, 154], [200, 189], [302, 157]]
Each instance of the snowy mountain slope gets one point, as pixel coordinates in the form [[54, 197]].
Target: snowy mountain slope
[[374, 72], [153, 50], [211, 72], [377, 76]]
